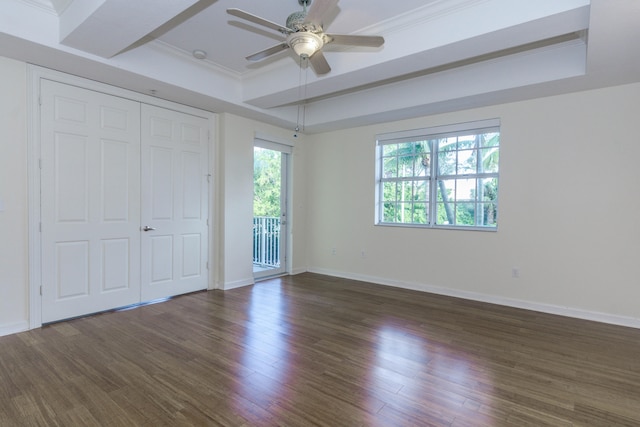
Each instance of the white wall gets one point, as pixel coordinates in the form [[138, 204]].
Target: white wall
[[570, 169], [568, 202], [236, 139], [14, 296]]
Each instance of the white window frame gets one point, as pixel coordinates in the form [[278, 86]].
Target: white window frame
[[428, 135]]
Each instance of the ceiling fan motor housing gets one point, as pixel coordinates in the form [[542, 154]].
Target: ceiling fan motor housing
[[295, 21]]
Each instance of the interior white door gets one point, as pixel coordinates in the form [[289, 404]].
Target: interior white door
[[174, 203], [90, 201]]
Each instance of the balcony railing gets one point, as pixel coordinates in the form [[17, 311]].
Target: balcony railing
[[266, 241]]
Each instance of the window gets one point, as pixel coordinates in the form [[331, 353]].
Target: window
[[439, 177]]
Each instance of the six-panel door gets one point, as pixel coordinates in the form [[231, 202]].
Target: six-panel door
[[90, 201], [174, 203], [107, 171]]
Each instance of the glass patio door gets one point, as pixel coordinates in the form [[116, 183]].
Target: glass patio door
[[270, 164]]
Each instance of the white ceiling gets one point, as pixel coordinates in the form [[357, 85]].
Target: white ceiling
[[439, 55]]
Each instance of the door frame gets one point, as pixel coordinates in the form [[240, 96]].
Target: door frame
[[34, 76]]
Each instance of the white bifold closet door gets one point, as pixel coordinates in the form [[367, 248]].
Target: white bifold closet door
[[90, 201], [174, 203], [109, 167]]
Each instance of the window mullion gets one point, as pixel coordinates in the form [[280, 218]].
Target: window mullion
[[433, 184]]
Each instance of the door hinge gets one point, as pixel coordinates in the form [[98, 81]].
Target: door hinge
[[209, 177], [39, 163], [40, 290], [40, 227], [207, 265], [207, 222]]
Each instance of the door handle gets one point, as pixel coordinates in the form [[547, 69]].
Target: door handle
[[147, 228]]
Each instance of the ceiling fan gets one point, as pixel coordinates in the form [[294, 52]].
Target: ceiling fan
[[305, 35]]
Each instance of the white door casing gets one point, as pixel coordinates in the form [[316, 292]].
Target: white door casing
[[90, 201], [174, 203]]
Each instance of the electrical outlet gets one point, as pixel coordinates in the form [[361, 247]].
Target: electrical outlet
[[333, 251], [515, 272], [363, 254]]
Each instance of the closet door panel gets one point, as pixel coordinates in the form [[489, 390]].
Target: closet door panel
[[90, 201], [175, 207]]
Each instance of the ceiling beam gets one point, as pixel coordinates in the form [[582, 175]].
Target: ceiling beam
[[107, 27]]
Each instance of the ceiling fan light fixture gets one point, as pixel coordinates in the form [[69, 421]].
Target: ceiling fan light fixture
[[305, 44]]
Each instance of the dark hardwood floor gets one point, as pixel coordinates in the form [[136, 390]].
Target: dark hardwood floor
[[315, 350]]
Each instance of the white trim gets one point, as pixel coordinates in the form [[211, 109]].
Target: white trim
[[38, 73], [33, 194], [14, 328], [272, 143], [34, 75], [42, 5], [297, 271], [238, 284], [440, 131], [577, 313], [268, 137], [216, 226]]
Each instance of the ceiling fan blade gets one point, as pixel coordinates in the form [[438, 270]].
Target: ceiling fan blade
[[257, 20], [319, 63], [318, 10], [369, 41], [268, 52]]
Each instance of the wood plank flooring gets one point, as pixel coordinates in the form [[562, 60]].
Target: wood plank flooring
[[315, 350]]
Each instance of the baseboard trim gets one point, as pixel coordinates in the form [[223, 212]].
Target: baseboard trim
[[296, 271], [238, 284], [14, 328], [577, 313]]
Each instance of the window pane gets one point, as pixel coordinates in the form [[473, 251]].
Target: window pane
[[405, 166], [490, 140], [489, 160], [447, 162], [447, 144], [467, 141], [420, 192], [489, 214], [389, 214], [389, 149], [389, 191], [465, 189], [423, 158], [446, 189], [405, 190], [421, 165], [390, 167], [420, 213], [488, 189], [467, 162], [405, 211], [445, 214], [465, 214]]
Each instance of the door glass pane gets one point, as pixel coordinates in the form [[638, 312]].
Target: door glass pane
[[267, 210]]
